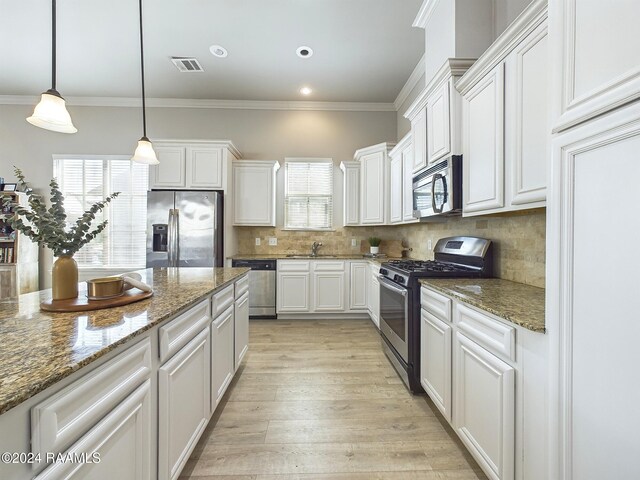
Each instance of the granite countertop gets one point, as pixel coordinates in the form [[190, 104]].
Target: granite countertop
[[517, 303], [38, 349]]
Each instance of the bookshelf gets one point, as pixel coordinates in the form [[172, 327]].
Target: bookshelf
[[18, 255]]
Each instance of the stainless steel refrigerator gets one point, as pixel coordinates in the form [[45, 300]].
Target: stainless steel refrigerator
[[184, 229]]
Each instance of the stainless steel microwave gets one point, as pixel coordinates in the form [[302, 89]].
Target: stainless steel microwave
[[437, 190]]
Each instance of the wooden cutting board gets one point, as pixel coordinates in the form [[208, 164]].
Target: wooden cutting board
[[82, 303]]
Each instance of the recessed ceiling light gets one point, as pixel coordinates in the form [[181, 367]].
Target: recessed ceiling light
[[304, 52], [305, 91], [218, 51]]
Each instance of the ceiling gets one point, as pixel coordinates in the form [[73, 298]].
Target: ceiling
[[364, 50]]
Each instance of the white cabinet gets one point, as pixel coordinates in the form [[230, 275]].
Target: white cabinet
[[594, 396], [358, 281], [191, 165], [484, 411], [505, 120], [435, 361], [595, 69], [407, 184], [254, 192], [438, 127], [483, 144], [373, 294], [419, 139], [293, 286], [241, 316], [183, 404], [118, 446], [351, 193], [329, 286], [395, 187], [222, 354], [374, 184]]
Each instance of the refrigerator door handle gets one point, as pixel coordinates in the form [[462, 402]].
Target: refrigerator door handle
[[172, 237], [176, 216]]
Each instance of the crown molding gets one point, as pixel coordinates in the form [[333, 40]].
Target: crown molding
[[380, 147], [401, 145], [424, 14], [204, 103], [412, 81]]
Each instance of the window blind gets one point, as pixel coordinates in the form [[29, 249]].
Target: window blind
[[308, 194], [84, 181]]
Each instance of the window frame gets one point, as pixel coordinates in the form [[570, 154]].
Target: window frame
[[331, 195], [106, 191]]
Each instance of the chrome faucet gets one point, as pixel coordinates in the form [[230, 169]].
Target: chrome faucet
[[314, 248]]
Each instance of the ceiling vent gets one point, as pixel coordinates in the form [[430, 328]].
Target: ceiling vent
[[187, 64]]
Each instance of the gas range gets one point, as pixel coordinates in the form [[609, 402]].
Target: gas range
[[454, 257]]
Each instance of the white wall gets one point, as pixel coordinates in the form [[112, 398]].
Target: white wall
[[258, 134]]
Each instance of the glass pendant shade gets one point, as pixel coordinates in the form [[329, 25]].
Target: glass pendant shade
[[51, 114], [144, 153]]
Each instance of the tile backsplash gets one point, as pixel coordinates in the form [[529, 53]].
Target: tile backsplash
[[519, 241]]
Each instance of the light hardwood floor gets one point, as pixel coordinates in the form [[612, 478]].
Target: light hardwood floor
[[318, 400]]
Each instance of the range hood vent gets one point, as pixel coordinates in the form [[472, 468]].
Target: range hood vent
[[187, 64]]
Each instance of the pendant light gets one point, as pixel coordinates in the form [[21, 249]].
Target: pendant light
[[51, 113], [144, 152]]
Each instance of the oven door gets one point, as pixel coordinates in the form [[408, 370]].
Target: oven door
[[394, 315]]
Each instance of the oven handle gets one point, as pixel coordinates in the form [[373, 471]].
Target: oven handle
[[391, 286]]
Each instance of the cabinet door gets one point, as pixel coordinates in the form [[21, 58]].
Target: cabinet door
[[396, 189], [373, 296], [595, 69], [483, 150], [419, 140], [438, 126], [8, 284], [205, 167], [329, 291], [528, 129], [407, 184], [358, 285], [171, 171], [242, 328], [253, 194], [373, 188], [484, 407], [184, 402], [595, 404], [222, 354], [351, 194], [435, 361], [293, 292]]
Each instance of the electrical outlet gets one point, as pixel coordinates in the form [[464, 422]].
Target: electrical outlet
[[354, 243], [273, 241], [429, 244], [257, 241]]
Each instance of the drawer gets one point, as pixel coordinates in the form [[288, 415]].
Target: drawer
[[328, 266], [436, 304], [222, 300], [293, 265], [492, 334], [242, 286], [63, 418], [179, 331]]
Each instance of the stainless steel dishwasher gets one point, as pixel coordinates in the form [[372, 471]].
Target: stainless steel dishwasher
[[262, 287]]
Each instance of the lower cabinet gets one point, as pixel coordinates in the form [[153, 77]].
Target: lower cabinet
[[329, 286], [373, 294], [183, 404], [485, 407], [358, 275], [222, 354], [435, 361], [241, 317], [119, 446]]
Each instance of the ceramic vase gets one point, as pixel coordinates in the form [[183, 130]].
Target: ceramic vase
[[374, 250], [64, 278]]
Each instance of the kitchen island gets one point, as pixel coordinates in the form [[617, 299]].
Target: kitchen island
[[112, 380]]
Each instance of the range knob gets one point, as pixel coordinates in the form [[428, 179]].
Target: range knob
[[384, 271], [399, 279]]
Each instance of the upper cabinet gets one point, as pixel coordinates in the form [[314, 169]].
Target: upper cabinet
[[254, 192], [436, 116], [595, 69], [505, 120], [401, 182], [192, 165], [351, 192], [374, 183]]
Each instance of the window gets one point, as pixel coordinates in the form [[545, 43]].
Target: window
[[85, 180], [308, 201]]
